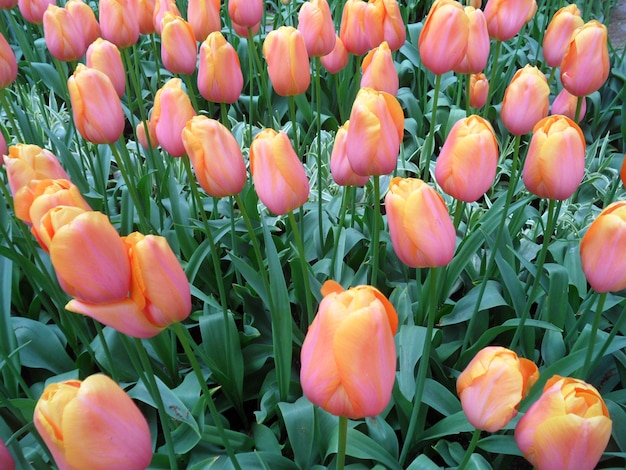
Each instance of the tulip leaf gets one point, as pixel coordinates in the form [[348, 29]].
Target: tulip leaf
[[464, 308], [500, 443], [48, 76], [363, 447], [380, 431], [264, 439], [41, 349], [448, 426], [257, 460], [299, 418], [410, 339], [618, 415], [423, 462]]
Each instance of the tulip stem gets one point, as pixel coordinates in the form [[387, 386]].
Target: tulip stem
[[458, 213], [342, 440], [492, 80], [224, 115], [579, 105], [470, 449], [190, 92], [340, 226], [318, 103], [593, 334], [251, 82], [375, 231], [304, 265], [294, 126], [429, 143]]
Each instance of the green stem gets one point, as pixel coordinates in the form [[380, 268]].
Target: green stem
[[342, 220], [593, 334], [470, 450], [294, 126], [304, 266], [342, 440], [616, 328], [492, 79], [579, 105], [375, 231], [318, 102], [251, 49], [468, 91], [224, 115], [458, 213], [191, 92], [429, 143]]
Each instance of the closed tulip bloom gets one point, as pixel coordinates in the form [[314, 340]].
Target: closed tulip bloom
[[565, 103], [585, 66], [394, 29], [337, 59], [85, 19], [63, 37], [27, 162], [246, 13], [287, 61], [7, 4], [93, 424], [526, 100], [52, 221], [161, 7], [215, 155], [8, 63], [379, 71], [145, 131], [96, 107], [559, 33], [6, 459], [317, 27], [479, 90], [475, 59], [278, 175], [340, 168], [443, 40], [172, 110], [506, 18], [118, 22], [220, 79], [245, 31], [145, 16], [105, 56], [33, 10], [601, 247], [466, 166], [356, 29], [567, 428], [376, 130], [349, 356], [179, 50], [492, 386], [204, 17]]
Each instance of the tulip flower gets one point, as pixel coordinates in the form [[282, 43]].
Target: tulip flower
[[63, 37], [376, 130], [526, 100], [475, 59], [466, 166], [605, 238], [246, 13], [6, 459], [143, 131], [3, 145], [161, 7], [379, 71], [245, 31], [204, 17], [33, 10], [317, 27], [565, 103], [172, 110], [505, 18], [93, 424], [7, 4], [215, 156], [443, 40], [622, 173], [278, 175], [479, 90], [340, 168], [585, 66], [85, 19], [492, 386], [220, 79], [361, 26], [337, 59], [52, 221], [394, 30], [8, 64], [145, 16], [567, 428], [179, 50], [349, 356], [105, 56], [26, 162], [559, 33], [287, 61], [96, 107], [118, 22], [421, 230]]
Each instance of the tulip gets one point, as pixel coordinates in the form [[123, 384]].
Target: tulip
[[349, 356], [340, 168], [565, 103], [118, 22], [361, 26], [215, 156], [85, 19], [4, 149], [421, 230], [466, 167], [143, 131], [26, 162], [622, 173], [161, 7], [245, 31], [172, 110], [555, 162], [204, 17], [559, 33], [394, 30], [506, 18], [6, 459], [220, 79], [246, 13], [52, 221], [526, 100], [585, 66], [316, 25], [179, 50], [479, 90], [278, 175], [96, 107], [33, 10], [63, 37], [567, 428], [7, 4], [8, 63], [379, 71], [477, 53], [376, 130], [287, 61], [337, 59], [492, 386], [444, 38], [105, 56], [145, 16], [93, 424], [601, 249]]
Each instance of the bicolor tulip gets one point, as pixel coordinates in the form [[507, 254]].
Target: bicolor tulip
[[93, 424], [6, 459], [204, 17], [161, 7], [64, 37], [443, 41], [8, 63], [118, 22], [565, 103], [475, 59], [505, 18], [246, 13], [33, 10], [567, 428], [85, 19], [349, 356], [394, 29], [340, 168], [96, 107], [466, 166], [145, 16], [278, 175], [287, 61], [601, 249], [360, 30], [379, 71], [337, 59], [52, 221], [585, 66], [421, 230], [526, 100], [215, 156], [27, 162], [172, 109], [105, 56], [492, 386], [479, 90], [220, 79], [179, 50], [376, 130], [559, 33], [317, 27]]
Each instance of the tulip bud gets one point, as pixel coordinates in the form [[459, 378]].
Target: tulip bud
[[220, 79], [479, 90], [492, 386], [376, 130], [585, 66], [8, 64], [337, 59], [26, 162], [379, 71], [96, 107], [340, 168], [143, 131], [204, 17], [161, 7], [6, 459], [63, 37], [145, 16], [33, 10], [565, 103], [278, 175], [287, 61], [526, 100], [506, 18], [421, 230], [361, 26], [52, 221], [179, 50], [349, 356], [605, 237], [105, 56], [215, 155], [466, 166], [394, 30], [85, 19], [567, 428], [172, 110], [246, 13], [118, 22], [316, 25], [93, 424], [559, 34], [478, 44]]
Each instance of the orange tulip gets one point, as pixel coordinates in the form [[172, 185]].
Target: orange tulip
[[505, 18], [8, 64], [85, 19], [559, 33], [466, 166], [33, 10], [337, 59], [52, 221], [361, 26], [340, 168], [245, 31], [96, 107], [379, 71], [567, 428], [394, 30], [63, 37], [143, 131], [172, 110], [604, 240], [179, 50], [278, 175], [145, 16], [349, 356], [479, 90], [215, 155], [376, 130], [105, 56], [585, 66], [119, 23], [478, 44], [6, 459], [220, 79], [622, 173], [93, 424], [246, 13], [26, 162], [565, 103], [287, 61], [161, 7], [526, 100], [204, 17], [492, 386], [316, 25], [7, 4]]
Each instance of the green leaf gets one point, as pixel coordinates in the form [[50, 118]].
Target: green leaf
[[299, 419], [49, 76], [410, 340], [556, 309], [500, 444], [363, 447], [464, 308], [423, 462], [41, 349]]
